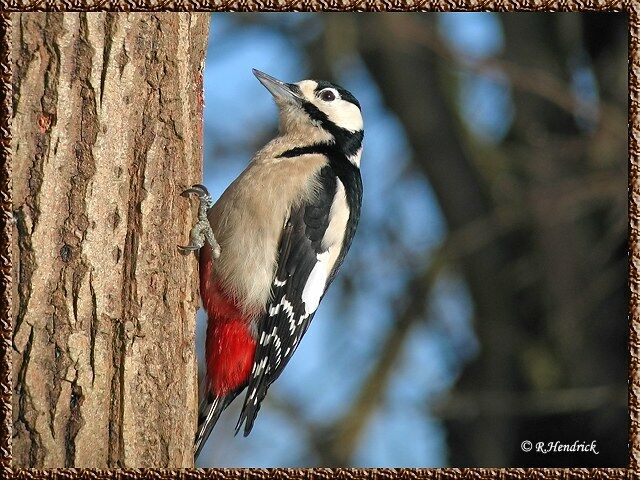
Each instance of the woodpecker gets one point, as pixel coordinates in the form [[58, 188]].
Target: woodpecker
[[273, 242]]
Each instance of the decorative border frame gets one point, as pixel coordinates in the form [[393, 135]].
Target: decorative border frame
[[631, 7]]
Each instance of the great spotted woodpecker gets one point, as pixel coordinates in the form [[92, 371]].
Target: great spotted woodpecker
[[273, 242]]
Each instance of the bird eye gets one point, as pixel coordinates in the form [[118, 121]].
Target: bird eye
[[327, 95]]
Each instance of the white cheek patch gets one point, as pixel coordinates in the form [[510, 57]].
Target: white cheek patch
[[344, 114], [314, 288]]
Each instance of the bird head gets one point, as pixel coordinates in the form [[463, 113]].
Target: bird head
[[314, 104]]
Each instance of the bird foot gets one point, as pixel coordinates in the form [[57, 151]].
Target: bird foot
[[201, 231]]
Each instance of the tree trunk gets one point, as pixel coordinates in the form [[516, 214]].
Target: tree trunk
[[107, 131]]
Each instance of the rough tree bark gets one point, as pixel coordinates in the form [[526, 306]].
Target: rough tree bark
[[107, 112]]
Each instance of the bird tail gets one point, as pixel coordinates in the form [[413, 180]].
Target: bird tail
[[208, 414], [250, 409]]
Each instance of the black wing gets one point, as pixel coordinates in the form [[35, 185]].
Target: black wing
[[286, 319]]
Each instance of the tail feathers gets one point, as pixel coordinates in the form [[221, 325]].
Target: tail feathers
[[256, 391], [251, 407], [210, 409], [208, 414]]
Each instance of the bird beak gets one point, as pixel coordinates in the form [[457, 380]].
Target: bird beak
[[286, 92]]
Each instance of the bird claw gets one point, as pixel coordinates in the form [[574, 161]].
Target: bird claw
[[201, 231], [187, 249], [198, 189]]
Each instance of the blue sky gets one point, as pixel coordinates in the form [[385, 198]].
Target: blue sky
[[342, 342]]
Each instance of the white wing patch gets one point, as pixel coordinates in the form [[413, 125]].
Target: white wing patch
[[332, 241], [339, 216], [314, 288]]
